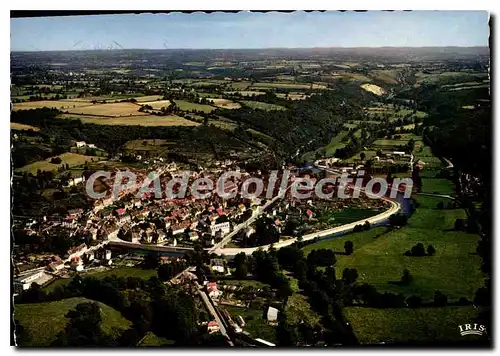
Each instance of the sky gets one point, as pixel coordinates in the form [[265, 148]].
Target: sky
[[252, 30]]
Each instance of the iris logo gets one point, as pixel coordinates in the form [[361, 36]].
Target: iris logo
[[472, 329]]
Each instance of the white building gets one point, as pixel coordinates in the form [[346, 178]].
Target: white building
[[24, 282], [225, 227], [80, 144], [272, 315]]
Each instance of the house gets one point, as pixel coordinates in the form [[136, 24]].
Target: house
[[80, 144], [217, 264], [55, 266], [212, 327], [77, 251], [24, 282], [225, 227], [272, 315], [212, 290], [77, 264]]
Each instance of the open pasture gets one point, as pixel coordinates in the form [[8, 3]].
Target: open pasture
[[109, 110], [140, 120], [56, 104], [22, 127], [157, 105], [224, 103]]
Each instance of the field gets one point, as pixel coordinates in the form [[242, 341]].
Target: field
[[224, 103], [346, 216], [380, 261], [147, 98], [57, 104], [119, 272], [419, 325], [256, 325], [44, 321], [111, 110], [298, 309], [288, 85], [261, 105], [21, 127], [153, 340], [72, 159], [186, 105], [158, 104], [439, 185], [144, 145], [246, 92], [292, 96], [372, 88], [140, 120]]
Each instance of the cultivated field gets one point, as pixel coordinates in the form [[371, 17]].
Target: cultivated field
[[57, 104], [72, 159], [147, 98], [224, 103], [21, 127], [265, 85], [157, 105], [140, 120], [110, 110], [44, 321], [186, 105], [372, 88]]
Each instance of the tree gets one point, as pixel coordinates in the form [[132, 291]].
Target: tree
[[440, 299], [240, 261], [362, 155], [431, 250], [349, 275], [459, 224], [407, 277], [348, 247], [366, 225], [151, 260], [83, 327], [414, 301], [56, 160], [418, 250]]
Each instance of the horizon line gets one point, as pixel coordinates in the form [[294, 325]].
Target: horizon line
[[236, 49]]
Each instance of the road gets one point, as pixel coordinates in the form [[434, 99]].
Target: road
[[395, 207], [208, 304]]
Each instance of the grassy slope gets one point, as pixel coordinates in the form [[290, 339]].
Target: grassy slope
[[454, 269], [45, 320], [255, 323], [119, 272], [373, 326]]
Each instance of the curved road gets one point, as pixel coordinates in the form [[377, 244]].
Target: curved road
[[395, 206]]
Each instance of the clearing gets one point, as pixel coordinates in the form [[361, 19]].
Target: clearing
[[372, 88], [379, 254], [72, 159], [262, 106], [57, 104], [21, 127], [44, 321], [140, 120], [109, 110], [410, 325]]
